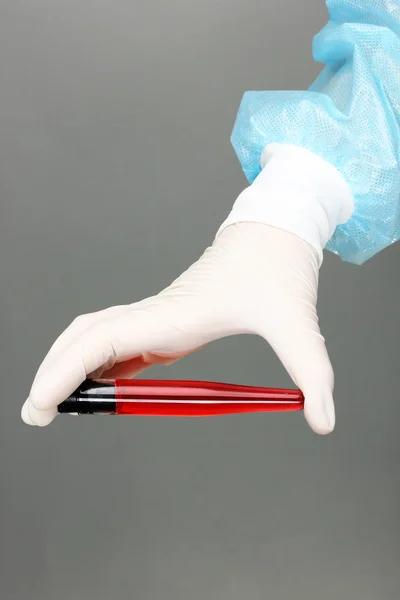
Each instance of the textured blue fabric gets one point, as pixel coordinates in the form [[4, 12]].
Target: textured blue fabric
[[350, 117]]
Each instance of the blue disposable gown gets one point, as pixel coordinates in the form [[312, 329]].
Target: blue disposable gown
[[350, 117]]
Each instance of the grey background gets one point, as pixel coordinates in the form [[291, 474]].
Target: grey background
[[115, 172]]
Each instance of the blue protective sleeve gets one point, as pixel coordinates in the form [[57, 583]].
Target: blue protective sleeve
[[350, 117]]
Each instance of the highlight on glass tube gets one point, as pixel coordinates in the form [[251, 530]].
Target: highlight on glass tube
[[168, 398]]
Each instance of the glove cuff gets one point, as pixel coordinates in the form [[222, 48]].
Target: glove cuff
[[296, 191]]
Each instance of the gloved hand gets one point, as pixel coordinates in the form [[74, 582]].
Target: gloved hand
[[257, 278], [254, 279]]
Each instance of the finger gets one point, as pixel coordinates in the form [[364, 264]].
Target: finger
[[32, 416], [62, 376], [133, 367], [29, 413], [301, 349], [77, 328], [124, 337], [25, 414]]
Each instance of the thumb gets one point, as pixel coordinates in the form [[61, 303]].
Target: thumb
[[301, 349]]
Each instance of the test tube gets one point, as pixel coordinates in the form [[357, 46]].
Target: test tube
[[141, 397]]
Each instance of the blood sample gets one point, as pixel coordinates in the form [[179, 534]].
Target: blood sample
[[142, 397]]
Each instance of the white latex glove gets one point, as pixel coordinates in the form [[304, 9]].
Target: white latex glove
[[256, 279]]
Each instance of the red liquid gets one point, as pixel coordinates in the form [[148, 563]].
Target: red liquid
[[200, 398]]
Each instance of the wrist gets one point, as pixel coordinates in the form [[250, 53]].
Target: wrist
[[296, 191]]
